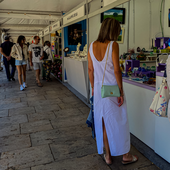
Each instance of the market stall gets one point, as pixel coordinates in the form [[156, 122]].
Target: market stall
[[75, 45], [138, 57]]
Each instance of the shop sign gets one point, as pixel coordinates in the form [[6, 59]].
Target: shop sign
[[46, 31], [41, 33], [78, 13], [55, 26], [107, 2]]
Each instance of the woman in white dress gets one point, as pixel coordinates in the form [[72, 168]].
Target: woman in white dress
[[110, 114]]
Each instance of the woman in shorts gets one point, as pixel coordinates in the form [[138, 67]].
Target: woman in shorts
[[20, 53]]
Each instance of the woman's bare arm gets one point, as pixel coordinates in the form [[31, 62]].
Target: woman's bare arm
[[117, 70], [90, 70]]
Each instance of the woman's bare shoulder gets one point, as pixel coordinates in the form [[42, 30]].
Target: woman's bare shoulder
[[115, 44]]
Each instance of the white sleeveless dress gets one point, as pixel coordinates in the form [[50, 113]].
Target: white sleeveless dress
[[115, 117]]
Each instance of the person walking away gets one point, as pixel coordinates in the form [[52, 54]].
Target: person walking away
[[5, 50], [48, 62], [110, 113], [36, 58], [20, 53]]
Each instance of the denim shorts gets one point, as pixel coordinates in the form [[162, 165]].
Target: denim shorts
[[37, 66], [20, 62]]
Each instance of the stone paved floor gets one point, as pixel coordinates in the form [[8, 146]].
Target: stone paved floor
[[44, 129]]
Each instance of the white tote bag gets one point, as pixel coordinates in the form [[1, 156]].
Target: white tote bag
[[159, 105], [169, 110]]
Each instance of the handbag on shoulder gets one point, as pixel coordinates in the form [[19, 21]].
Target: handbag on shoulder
[[159, 105], [109, 90]]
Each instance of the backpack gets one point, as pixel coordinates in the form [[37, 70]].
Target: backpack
[[45, 54]]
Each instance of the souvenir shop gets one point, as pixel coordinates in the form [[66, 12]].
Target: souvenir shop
[[144, 49]]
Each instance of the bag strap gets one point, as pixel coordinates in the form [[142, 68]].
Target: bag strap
[[106, 63]]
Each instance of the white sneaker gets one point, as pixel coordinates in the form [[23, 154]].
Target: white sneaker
[[24, 85], [21, 87]]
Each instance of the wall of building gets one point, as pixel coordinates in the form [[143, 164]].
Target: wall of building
[[166, 11], [144, 23]]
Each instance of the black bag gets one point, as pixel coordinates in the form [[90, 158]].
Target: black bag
[[45, 54]]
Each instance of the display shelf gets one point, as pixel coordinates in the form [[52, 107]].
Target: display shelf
[[139, 83], [141, 61]]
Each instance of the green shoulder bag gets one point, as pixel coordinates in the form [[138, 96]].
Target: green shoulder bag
[[109, 90]]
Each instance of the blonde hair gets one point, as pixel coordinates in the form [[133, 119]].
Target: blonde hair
[[109, 30]]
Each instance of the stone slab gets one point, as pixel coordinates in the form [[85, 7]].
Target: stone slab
[[32, 117], [20, 111], [11, 95], [69, 121], [35, 126], [151, 167], [44, 102], [44, 108], [56, 135], [10, 100], [4, 113], [15, 142], [33, 98], [85, 110], [90, 162], [54, 96], [36, 94], [2, 96], [13, 120], [25, 158], [44, 137], [9, 130], [71, 99], [13, 105], [71, 105], [68, 113], [56, 92], [74, 147]]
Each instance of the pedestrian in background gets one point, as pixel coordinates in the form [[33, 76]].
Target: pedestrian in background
[[20, 53], [5, 50], [48, 61], [36, 58]]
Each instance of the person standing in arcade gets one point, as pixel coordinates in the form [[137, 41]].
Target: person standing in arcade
[[5, 50], [36, 58]]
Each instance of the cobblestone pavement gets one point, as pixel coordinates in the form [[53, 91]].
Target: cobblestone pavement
[[44, 129]]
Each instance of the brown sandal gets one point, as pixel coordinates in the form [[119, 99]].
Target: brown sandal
[[134, 159], [39, 85]]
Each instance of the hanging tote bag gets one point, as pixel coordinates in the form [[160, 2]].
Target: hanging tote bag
[[159, 105], [169, 110], [109, 90]]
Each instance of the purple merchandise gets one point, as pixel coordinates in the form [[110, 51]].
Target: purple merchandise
[[161, 67], [132, 64], [158, 42]]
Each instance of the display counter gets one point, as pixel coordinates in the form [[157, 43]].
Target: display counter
[[141, 121], [162, 127], [149, 128], [76, 71]]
